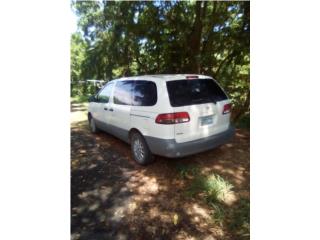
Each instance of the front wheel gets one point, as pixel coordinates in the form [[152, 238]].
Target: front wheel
[[140, 150], [92, 125]]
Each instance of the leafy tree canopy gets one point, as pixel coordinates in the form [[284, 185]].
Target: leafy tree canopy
[[120, 38]]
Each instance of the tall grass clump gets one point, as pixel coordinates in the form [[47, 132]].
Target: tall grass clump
[[214, 188]]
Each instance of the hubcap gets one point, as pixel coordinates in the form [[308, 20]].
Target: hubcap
[[138, 149]]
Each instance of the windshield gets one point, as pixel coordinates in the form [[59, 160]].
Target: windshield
[[195, 91]]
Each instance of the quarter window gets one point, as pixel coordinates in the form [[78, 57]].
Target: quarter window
[[104, 95], [144, 93]]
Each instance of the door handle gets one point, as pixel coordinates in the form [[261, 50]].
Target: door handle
[[105, 109], [111, 109]]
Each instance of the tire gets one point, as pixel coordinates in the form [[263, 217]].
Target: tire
[[92, 125], [140, 150]]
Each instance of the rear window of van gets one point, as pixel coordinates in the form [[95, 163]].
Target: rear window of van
[[194, 91]]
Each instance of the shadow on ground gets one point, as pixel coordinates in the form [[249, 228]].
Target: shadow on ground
[[114, 198]]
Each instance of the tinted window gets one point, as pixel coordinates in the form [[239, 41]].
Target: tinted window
[[144, 93], [122, 93], [105, 93], [195, 91]]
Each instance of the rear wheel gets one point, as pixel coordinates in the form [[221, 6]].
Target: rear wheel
[[140, 150]]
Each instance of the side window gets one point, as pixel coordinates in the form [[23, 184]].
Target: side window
[[105, 93], [145, 93], [123, 93]]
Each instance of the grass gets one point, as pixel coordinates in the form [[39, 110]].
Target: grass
[[187, 170], [239, 219], [215, 189], [219, 213]]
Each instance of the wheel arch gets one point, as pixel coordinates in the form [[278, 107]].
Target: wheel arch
[[133, 130]]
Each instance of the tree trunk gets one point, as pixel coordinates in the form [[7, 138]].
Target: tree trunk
[[194, 40], [208, 44]]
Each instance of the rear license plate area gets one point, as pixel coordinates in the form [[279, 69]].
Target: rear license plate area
[[206, 120]]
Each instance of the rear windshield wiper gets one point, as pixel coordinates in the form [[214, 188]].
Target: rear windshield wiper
[[203, 100]]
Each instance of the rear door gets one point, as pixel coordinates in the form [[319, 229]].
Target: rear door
[[204, 101], [143, 113]]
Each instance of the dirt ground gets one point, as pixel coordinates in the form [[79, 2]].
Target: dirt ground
[[112, 197]]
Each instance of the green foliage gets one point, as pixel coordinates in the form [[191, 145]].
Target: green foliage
[[244, 121], [219, 213], [239, 219], [83, 89], [213, 186], [78, 47], [187, 170], [120, 38], [79, 99], [217, 188]]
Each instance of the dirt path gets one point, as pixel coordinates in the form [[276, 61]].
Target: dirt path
[[114, 198]]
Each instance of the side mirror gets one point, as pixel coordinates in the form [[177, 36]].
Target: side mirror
[[92, 99]]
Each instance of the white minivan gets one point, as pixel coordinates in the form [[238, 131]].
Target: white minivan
[[168, 115]]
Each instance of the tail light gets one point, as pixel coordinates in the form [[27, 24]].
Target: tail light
[[226, 108], [173, 118]]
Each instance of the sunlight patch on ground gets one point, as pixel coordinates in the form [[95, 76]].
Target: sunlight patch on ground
[[199, 211], [183, 235], [131, 207], [142, 184], [78, 112], [230, 198], [150, 186], [104, 193], [241, 135], [154, 212]]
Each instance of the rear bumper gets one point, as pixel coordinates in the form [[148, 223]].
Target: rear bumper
[[170, 148]]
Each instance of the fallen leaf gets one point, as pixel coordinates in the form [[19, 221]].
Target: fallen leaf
[[175, 219]]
